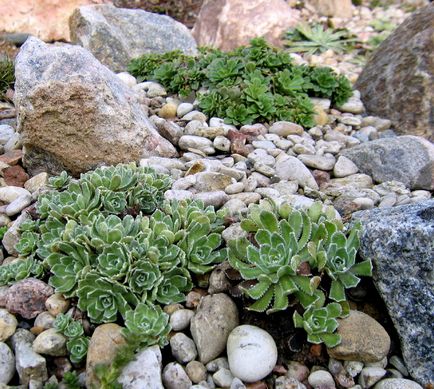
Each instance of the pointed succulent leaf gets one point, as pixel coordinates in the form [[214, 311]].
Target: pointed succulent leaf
[[77, 348]]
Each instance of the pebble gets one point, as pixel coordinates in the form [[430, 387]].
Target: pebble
[[7, 363], [144, 371], [292, 169], [178, 195], [223, 377], [168, 111], [252, 353], [369, 376], [56, 304], [397, 383], [18, 205], [353, 105], [344, 167], [187, 142], [238, 187], [263, 144], [195, 115], [8, 194], [183, 109], [36, 183], [50, 342], [44, 321], [399, 364], [183, 348], [322, 162], [234, 231], [218, 282], [216, 364], [217, 198], [297, 371], [235, 207], [127, 79], [175, 377], [222, 143], [303, 149], [211, 181], [196, 371], [364, 203], [6, 133], [180, 319], [321, 378], [8, 325], [237, 384], [264, 169], [153, 89], [14, 143], [216, 316], [284, 129], [353, 368]]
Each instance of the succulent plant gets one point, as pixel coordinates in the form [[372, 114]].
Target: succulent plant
[[320, 324], [27, 243], [147, 325], [173, 287], [144, 276], [77, 348], [20, 269], [60, 181]]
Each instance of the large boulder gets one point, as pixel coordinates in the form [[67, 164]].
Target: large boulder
[[398, 81], [75, 114], [46, 19], [116, 35], [333, 8], [400, 242], [408, 158], [227, 24]]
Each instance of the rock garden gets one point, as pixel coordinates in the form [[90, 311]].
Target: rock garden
[[242, 201]]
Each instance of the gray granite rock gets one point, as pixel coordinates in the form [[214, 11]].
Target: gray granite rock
[[400, 243], [409, 159], [175, 377], [75, 114], [7, 363], [116, 35]]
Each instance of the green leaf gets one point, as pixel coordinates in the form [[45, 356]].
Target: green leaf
[[337, 291], [331, 340], [263, 303], [363, 268]]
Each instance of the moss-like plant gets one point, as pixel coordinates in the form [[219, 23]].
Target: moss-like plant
[[249, 84], [7, 76]]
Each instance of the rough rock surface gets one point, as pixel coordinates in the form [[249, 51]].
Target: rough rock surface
[[215, 318], [333, 8], [116, 35], [400, 243], [46, 19], [75, 114], [408, 159], [398, 81], [227, 24]]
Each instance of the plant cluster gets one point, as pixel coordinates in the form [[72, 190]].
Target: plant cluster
[[297, 253], [77, 343], [384, 28], [249, 84], [7, 76], [316, 39], [101, 239]]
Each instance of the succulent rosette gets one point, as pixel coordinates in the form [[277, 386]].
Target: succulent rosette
[[77, 348]]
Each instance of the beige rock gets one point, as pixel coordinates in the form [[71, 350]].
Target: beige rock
[[50, 342], [56, 304], [333, 8], [8, 324], [46, 19], [103, 346], [37, 182], [363, 339], [227, 24]]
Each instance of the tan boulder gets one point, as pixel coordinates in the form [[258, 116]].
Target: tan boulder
[[46, 19], [333, 8], [227, 24]]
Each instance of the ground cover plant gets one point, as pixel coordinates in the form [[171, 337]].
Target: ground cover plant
[[250, 84], [7, 76]]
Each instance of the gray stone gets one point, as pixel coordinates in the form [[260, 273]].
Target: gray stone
[[180, 319], [178, 195], [184, 109], [238, 384], [397, 383], [75, 114], [297, 371], [369, 376], [217, 198], [408, 159], [216, 364], [288, 383], [292, 169], [7, 363], [400, 243], [215, 318], [322, 162], [211, 181], [144, 371], [6, 133], [223, 377], [37, 182], [29, 364], [18, 205], [189, 142], [50, 342], [116, 35], [321, 378], [175, 377], [398, 81], [8, 194], [44, 320], [196, 371], [183, 348], [8, 325], [344, 167]]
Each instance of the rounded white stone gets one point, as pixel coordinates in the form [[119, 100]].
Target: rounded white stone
[[321, 378], [252, 353]]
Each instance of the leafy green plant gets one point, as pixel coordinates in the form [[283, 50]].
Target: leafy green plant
[[249, 84], [7, 76], [3, 231], [77, 344], [317, 39], [294, 253], [70, 380]]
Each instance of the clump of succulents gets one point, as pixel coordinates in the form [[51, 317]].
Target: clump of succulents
[[291, 252]]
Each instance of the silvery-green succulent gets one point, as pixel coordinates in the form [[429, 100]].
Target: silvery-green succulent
[[147, 325], [19, 270], [60, 181], [144, 276], [27, 244], [173, 287], [77, 348]]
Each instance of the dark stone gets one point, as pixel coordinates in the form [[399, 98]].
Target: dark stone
[[400, 242]]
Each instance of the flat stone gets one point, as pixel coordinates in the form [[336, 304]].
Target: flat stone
[[183, 348], [187, 142], [7, 363], [408, 159], [180, 319], [399, 242], [11, 157], [217, 198], [12, 235], [178, 195], [144, 371], [397, 383], [223, 377], [37, 182], [284, 129], [369, 376], [363, 339], [6, 132], [321, 378], [211, 181], [292, 169], [8, 325], [322, 162], [10, 193], [15, 176], [18, 205], [344, 167], [50, 342], [215, 318], [175, 377]]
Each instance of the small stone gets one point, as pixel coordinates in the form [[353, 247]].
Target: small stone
[[180, 319], [237, 384], [252, 353], [37, 182], [127, 79], [56, 304], [18, 205], [353, 105], [153, 89], [183, 109], [50, 342], [178, 195], [399, 364], [292, 169], [7, 363], [27, 297], [6, 132], [238, 187], [353, 368], [175, 377], [15, 176], [195, 115], [211, 181], [14, 142], [196, 371], [11, 157], [263, 144], [369, 376], [253, 130], [321, 118], [223, 377], [144, 371], [222, 143], [363, 339], [8, 325], [397, 383], [218, 282], [344, 167], [193, 298], [168, 111], [234, 231], [393, 373], [297, 370], [8, 194], [364, 203], [44, 320], [322, 162], [284, 129], [172, 308], [187, 142], [300, 148], [29, 364], [183, 348], [321, 379], [216, 364], [215, 318], [264, 169], [216, 199], [350, 120]]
